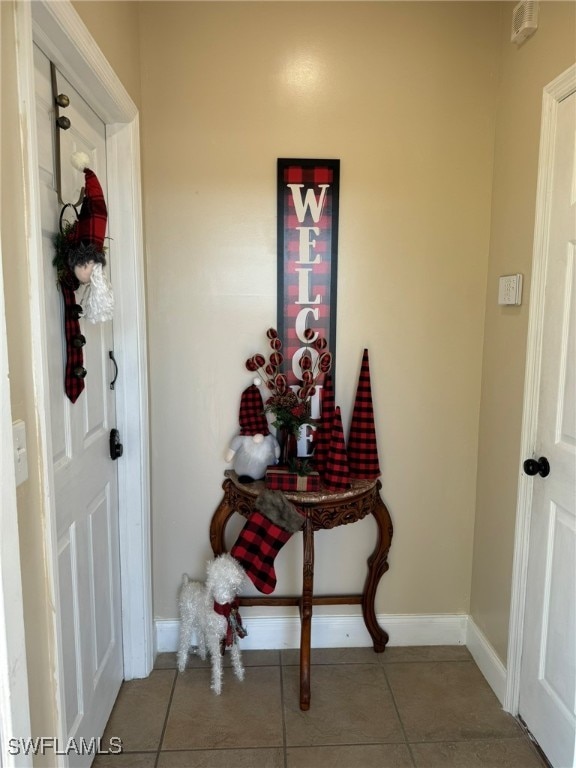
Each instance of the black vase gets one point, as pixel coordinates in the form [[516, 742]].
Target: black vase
[[288, 443]]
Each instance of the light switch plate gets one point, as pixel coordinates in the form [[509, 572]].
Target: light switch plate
[[510, 289], [20, 452]]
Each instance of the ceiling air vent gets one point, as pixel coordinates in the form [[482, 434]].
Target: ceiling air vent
[[524, 20]]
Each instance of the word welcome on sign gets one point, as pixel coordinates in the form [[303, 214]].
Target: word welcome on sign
[[308, 194], [308, 197]]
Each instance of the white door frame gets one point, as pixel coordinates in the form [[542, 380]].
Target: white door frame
[[14, 701], [60, 32], [555, 92]]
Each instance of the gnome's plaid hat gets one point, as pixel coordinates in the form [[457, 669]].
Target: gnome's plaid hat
[[86, 238], [324, 429], [362, 447], [337, 474], [252, 419]]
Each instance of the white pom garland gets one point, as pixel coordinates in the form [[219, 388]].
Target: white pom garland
[[80, 160]]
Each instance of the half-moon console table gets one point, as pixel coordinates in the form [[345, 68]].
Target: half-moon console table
[[322, 510]]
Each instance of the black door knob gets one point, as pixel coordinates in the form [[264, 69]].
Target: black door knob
[[540, 467], [116, 447]]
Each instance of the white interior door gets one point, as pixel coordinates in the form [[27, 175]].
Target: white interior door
[[548, 666], [85, 477]]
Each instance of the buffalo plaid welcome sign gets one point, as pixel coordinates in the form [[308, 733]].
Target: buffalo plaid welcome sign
[[308, 197]]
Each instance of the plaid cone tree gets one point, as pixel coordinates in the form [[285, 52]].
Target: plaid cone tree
[[324, 430], [337, 475], [362, 447]]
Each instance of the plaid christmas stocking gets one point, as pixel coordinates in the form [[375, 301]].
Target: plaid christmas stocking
[[268, 528]]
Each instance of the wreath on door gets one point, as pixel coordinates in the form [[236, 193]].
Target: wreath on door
[[79, 261]]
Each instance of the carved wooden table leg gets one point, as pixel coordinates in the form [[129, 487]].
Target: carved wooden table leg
[[219, 521], [306, 613], [377, 566]]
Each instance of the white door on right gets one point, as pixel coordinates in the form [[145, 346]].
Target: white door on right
[[548, 665]]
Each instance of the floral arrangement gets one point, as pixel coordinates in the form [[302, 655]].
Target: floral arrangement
[[291, 408], [289, 412]]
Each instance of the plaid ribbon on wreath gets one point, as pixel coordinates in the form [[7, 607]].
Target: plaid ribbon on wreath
[[76, 245], [75, 372]]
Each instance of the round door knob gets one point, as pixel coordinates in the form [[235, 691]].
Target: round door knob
[[62, 100], [537, 467], [63, 123], [116, 447]]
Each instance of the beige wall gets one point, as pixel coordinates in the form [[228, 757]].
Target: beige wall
[[405, 95], [37, 608], [115, 27], [525, 72]]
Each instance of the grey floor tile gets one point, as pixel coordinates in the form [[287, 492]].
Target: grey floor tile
[[165, 661], [249, 659], [398, 653], [291, 656], [260, 658], [246, 714], [350, 756], [449, 716], [447, 701], [223, 758], [500, 753], [350, 704], [140, 711]]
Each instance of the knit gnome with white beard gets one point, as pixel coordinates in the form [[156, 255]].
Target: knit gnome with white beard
[[86, 247], [254, 448]]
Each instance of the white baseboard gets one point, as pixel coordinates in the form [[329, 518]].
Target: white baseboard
[[276, 632], [348, 631], [487, 660]]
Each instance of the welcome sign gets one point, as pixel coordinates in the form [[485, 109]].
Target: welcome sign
[[308, 196]]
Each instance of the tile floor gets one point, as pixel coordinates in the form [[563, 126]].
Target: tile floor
[[420, 707]]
